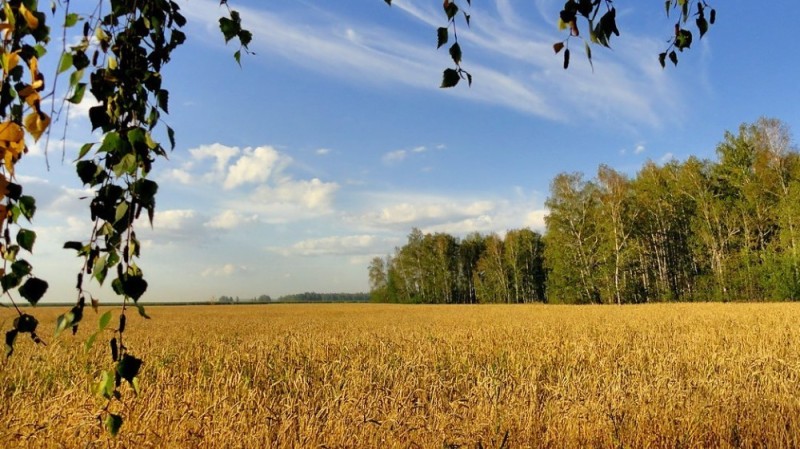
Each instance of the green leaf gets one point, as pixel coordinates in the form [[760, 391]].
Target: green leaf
[[104, 320], [450, 78], [105, 387], [455, 53], [127, 165], [65, 63], [237, 56], [63, 322], [9, 281], [673, 57], [702, 25], [113, 424], [27, 205], [113, 141], [229, 28], [171, 136], [26, 323], [77, 93], [26, 238], [142, 312], [84, 149], [77, 246], [134, 286], [451, 9], [33, 289], [441, 36], [71, 19], [75, 77], [662, 58], [683, 39], [100, 269], [21, 268], [128, 367], [99, 118], [87, 345], [163, 100], [245, 37], [137, 138]]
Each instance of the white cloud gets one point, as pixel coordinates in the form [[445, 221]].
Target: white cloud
[[512, 66], [313, 194], [226, 270], [230, 219], [426, 210], [220, 153], [323, 151], [419, 149], [255, 166], [666, 158], [639, 149], [393, 157], [337, 245], [180, 175], [173, 220]]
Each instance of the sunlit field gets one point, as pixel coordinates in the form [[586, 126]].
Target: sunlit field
[[689, 375]]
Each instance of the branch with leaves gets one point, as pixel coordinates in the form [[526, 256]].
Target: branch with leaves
[[23, 35]]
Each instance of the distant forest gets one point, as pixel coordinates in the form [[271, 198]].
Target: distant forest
[[299, 297], [697, 230]]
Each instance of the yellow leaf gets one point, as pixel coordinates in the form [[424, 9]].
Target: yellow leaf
[[30, 19], [36, 124], [9, 160], [10, 60], [10, 132]]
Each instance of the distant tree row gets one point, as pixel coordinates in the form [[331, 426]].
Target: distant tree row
[[298, 297], [684, 231], [440, 268], [325, 297]]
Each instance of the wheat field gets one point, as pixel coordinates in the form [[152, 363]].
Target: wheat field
[[352, 376]]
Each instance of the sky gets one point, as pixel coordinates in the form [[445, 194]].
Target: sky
[[331, 142]]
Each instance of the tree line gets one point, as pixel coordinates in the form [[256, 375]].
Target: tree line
[[697, 230]]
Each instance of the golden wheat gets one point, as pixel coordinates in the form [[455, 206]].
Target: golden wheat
[[708, 375]]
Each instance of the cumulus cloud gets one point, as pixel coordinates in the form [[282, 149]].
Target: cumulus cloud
[[229, 219], [311, 194], [337, 245], [173, 220], [255, 166], [639, 149], [427, 210], [323, 151], [221, 154]]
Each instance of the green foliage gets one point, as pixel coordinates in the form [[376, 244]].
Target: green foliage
[[698, 230], [439, 268]]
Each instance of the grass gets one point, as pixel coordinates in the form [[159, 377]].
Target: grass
[[671, 376]]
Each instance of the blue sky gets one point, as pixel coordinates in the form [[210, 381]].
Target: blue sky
[[334, 140]]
